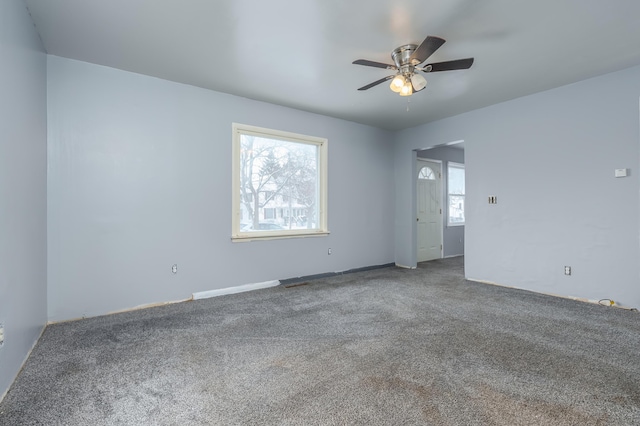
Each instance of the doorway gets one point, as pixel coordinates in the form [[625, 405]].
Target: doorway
[[429, 210]]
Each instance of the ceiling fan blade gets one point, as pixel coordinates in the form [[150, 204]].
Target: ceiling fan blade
[[458, 64], [374, 64], [375, 83], [426, 49]]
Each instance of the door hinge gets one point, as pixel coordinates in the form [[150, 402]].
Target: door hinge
[[440, 211], [440, 246]]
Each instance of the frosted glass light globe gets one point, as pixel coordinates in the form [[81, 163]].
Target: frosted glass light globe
[[397, 83], [406, 90], [419, 82]]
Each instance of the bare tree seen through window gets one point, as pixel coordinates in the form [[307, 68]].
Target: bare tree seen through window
[[278, 184]]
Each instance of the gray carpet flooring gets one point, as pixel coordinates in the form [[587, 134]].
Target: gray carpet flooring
[[383, 347]]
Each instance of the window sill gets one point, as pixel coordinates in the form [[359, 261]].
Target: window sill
[[264, 236], [453, 225]]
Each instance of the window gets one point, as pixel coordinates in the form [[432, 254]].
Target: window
[[426, 173], [279, 184], [455, 188]]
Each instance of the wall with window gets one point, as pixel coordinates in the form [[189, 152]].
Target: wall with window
[[140, 179], [550, 160], [23, 192], [453, 236]]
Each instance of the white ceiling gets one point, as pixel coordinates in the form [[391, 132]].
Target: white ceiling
[[298, 53]]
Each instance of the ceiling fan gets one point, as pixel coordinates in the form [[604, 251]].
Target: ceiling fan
[[407, 59]]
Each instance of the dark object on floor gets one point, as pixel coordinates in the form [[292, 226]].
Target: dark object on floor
[[296, 285]]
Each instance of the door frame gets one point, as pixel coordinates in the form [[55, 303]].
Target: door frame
[[442, 207]]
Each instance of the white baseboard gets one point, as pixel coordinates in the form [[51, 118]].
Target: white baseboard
[[405, 267], [234, 290], [453, 255]]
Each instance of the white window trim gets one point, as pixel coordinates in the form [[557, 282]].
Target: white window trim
[[459, 166], [322, 143]]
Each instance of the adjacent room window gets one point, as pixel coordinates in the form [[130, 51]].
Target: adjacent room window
[[455, 188], [279, 184]]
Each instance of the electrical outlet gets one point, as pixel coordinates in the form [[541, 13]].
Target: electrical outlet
[[567, 270], [329, 251], [1, 334], [174, 268], [493, 199]]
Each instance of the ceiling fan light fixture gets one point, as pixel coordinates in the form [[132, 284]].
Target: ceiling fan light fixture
[[419, 82], [397, 83], [407, 60], [407, 89]]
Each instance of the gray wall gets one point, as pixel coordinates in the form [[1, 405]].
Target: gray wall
[[550, 160], [23, 180], [453, 236], [140, 179]]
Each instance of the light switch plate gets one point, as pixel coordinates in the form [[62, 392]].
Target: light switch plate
[[622, 173]]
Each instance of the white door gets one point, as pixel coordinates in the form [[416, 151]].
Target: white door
[[429, 213]]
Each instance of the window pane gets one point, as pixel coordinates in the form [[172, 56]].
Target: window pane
[[456, 208], [456, 189], [426, 173], [278, 184], [456, 180]]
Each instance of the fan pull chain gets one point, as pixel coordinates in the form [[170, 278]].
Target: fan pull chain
[[408, 102]]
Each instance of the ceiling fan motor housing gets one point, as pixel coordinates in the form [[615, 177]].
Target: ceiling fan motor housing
[[402, 58]]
